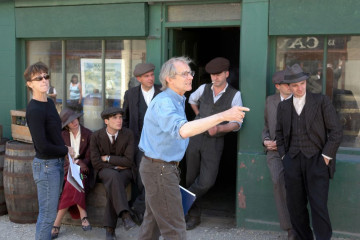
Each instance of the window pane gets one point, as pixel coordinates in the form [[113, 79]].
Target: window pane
[[307, 52], [83, 80], [48, 52], [343, 74], [121, 59]]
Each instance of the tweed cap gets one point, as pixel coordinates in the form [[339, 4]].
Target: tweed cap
[[111, 111], [278, 77], [294, 74], [217, 65], [67, 116], [143, 68]]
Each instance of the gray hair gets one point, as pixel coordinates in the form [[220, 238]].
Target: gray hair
[[168, 69]]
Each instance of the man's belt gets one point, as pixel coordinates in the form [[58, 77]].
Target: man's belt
[[161, 161]]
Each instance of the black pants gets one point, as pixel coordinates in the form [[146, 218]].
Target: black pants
[[307, 180], [115, 182], [139, 203]]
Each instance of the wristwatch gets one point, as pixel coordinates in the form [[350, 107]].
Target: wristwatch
[[108, 158]]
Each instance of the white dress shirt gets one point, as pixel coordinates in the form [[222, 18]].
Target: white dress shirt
[[299, 103], [148, 95], [75, 142]]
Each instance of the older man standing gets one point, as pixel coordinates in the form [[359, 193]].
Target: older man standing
[[204, 152], [164, 139], [272, 156], [136, 102], [308, 134]]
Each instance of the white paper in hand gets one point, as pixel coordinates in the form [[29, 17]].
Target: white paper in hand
[[74, 175]]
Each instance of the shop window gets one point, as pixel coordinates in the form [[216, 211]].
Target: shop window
[[336, 76], [85, 86], [48, 52]]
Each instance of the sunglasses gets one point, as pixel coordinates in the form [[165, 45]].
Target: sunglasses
[[39, 78]]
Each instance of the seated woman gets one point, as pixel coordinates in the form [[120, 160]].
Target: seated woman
[[71, 199]]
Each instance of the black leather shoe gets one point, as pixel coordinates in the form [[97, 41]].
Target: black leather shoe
[[192, 222], [138, 217], [291, 234], [127, 220], [110, 234]]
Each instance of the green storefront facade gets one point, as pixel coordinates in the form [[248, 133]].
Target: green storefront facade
[[263, 36]]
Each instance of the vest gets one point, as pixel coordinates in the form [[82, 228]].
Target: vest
[[142, 110], [300, 142], [207, 107]]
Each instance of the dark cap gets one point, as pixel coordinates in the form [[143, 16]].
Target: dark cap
[[67, 116], [143, 68], [217, 65], [278, 77], [294, 74], [111, 111]]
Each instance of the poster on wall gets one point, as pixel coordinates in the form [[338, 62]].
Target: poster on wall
[[91, 82]]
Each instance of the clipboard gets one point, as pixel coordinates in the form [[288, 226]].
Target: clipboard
[[74, 175], [188, 198]]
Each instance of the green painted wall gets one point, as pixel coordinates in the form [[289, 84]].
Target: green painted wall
[[8, 77], [110, 20], [294, 17], [153, 42]]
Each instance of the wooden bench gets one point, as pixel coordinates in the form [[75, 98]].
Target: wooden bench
[[95, 204]]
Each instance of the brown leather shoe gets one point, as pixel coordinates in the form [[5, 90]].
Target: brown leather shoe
[[291, 234], [110, 233], [192, 222], [127, 220]]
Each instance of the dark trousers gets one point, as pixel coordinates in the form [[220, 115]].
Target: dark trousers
[[307, 180], [203, 157], [115, 182], [139, 203], [164, 214]]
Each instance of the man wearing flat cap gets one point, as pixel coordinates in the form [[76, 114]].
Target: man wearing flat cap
[[112, 156], [308, 135], [204, 151], [272, 156], [136, 101]]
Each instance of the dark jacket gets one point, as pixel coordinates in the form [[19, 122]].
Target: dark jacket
[[131, 109], [100, 145], [322, 126]]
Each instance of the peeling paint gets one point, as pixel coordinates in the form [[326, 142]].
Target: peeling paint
[[242, 198], [242, 165]]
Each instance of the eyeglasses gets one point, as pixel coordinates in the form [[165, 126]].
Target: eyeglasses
[[186, 74], [39, 78]]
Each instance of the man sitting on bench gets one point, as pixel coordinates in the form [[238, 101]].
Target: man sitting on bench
[[112, 156]]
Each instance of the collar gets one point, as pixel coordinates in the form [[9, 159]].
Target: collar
[[222, 91]]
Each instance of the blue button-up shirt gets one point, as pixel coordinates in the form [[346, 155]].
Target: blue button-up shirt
[[160, 137]]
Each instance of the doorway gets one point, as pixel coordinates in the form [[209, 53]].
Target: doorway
[[202, 45]]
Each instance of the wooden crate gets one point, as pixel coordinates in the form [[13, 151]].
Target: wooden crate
[[19, 132]]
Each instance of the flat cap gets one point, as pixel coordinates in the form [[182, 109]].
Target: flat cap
[[143, 68], [278, 77], [217, 65], [111, 111]]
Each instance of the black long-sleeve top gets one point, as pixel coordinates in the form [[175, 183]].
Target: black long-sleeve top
[[45, 128]]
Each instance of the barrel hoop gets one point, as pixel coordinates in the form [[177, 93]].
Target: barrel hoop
[[12, 174], [19, 146], [21, 158], [30, 214], [21, 196]]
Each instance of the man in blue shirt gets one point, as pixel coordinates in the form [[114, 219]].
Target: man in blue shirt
[[164, 140]]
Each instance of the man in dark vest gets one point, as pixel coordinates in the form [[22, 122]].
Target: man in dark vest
[[308, 135], [112, 156], [136, 101], [204, 151]]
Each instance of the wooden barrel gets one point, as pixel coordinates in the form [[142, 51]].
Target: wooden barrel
[[3, 209], [19, 186]]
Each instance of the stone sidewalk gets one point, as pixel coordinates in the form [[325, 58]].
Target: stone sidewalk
[[210, 229]]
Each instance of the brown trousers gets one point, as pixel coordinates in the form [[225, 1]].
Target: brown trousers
[[164, 214]]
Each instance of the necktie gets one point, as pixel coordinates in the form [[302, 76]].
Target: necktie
[[113, 139]]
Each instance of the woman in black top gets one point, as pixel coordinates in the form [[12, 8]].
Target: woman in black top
[[48, 165]]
